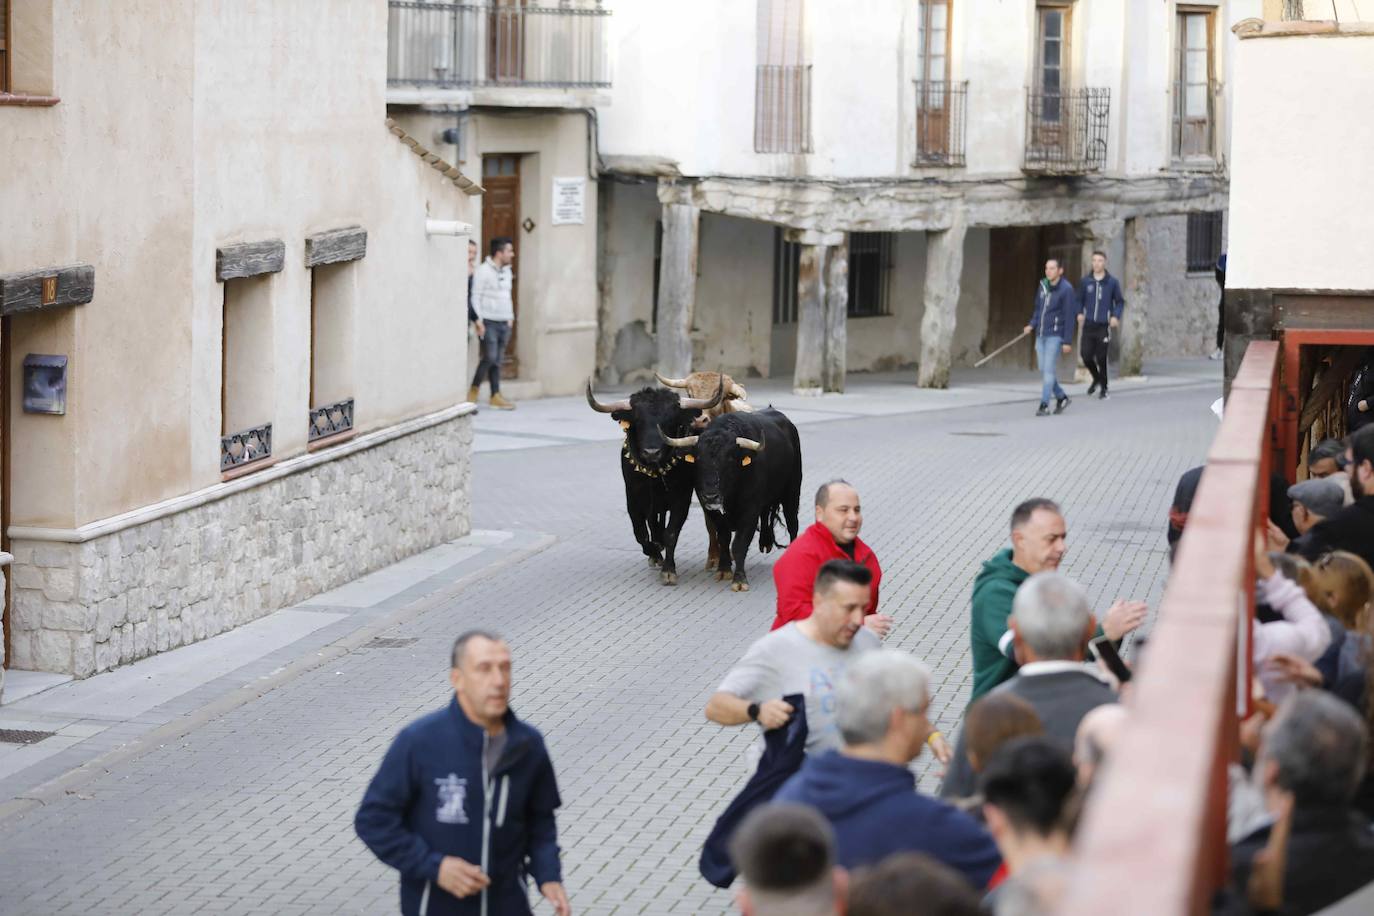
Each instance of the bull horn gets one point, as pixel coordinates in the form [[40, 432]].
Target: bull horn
[[702, 403], [604, 408], [752, 445], [671, 382], [684, 442]]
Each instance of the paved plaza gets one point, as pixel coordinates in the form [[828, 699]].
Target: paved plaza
[[238, 796]]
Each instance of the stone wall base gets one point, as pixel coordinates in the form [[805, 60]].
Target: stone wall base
[[81, 608]]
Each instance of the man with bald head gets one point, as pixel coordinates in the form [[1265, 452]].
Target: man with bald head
[[834, 536]]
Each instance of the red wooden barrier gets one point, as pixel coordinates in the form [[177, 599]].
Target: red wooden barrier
[[1153, 837]]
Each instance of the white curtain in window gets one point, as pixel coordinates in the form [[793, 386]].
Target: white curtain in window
[[780, 33]]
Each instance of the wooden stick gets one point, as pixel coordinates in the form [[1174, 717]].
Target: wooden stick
[[1004, 346]]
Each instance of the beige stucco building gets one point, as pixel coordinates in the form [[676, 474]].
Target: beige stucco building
[[252, 282]]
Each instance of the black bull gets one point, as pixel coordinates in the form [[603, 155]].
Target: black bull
[[658, 479], [748, 473]]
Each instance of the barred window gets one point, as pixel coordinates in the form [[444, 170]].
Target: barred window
[[870, 269], [782, 80], [1204, 241]]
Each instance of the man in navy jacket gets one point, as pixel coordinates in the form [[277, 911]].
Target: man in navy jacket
[[462, 805], [1099, 310], [866, 790], [1053, 323]]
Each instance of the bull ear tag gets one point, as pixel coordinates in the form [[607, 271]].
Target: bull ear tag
[[689, 458], [746, 461], [624, 424]]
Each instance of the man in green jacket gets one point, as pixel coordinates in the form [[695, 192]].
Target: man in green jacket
[[1037, 543]]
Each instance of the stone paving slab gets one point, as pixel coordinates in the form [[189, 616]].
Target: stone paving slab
[[251, 811]]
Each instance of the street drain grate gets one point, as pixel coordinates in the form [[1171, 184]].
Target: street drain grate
[[19, 736], [391, 642], [979, 435]]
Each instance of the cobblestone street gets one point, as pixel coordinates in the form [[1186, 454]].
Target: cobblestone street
[[252, 811]]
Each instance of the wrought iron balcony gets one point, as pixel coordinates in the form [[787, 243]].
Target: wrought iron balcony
[[940, 121], [1066, 130], [498, 43]]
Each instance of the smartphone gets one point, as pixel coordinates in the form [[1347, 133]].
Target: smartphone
[[1105, 652]]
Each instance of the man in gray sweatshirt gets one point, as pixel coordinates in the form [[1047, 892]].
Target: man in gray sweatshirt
[[491, 300]]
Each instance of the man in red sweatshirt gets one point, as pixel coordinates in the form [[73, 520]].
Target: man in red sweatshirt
[[834, 536]]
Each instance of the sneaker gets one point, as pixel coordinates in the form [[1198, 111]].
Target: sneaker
[[1103, 396], [1060, 404], [500, 403], [1044, 411], [1216, 354], [472, 395], [1092, 389]]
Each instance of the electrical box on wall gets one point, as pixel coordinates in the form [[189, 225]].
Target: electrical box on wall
[[45, 384]]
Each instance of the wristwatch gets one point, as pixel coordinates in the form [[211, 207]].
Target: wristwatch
[[753, 712]]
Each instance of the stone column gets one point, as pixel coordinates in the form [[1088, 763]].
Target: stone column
[[821, 313], [836, 316], [677, 288], [1135, 274], [944, 266], [809, 375]]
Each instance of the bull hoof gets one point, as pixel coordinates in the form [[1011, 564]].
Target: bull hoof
[[669, 578], [739, 586], [655, 562], [711, 565], [722, 575]]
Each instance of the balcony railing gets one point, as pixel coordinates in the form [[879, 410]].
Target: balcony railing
[[1066, 130], [498, 43], [1195, 110], [940, 120]]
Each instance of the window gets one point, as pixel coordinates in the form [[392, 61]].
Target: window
[[786, 265], [870, 266], [1052, 75], [1204, 241], [332, 295], [933, 41], [939, 102], [782, 80], [4, 45], [247, 392], [1194, 84]]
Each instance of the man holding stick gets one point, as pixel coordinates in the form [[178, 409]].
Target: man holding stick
[[1052, 321]]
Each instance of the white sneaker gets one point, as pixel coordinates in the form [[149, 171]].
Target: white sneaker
[[1216, 354]]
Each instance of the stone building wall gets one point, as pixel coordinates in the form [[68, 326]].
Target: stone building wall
[[1180, 307], [80, 608]]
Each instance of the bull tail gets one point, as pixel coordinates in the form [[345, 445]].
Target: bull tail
[[767, 522]]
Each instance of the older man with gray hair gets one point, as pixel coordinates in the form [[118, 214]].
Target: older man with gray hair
[[1312, 757], [1051, 623], [866, 789]]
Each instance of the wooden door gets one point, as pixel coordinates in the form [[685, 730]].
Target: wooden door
[[501, 217], [1053, 79], [506, 41], [932, 103], [7, 593], [1016, 268]]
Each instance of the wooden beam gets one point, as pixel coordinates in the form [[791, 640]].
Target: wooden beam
[[27, 290], [249, 259], [336, 246]]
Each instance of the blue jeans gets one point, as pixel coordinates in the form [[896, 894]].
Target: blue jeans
[[1047, 354], [493, 353]]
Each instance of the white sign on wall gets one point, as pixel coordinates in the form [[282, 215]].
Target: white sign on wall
[[569, 201]]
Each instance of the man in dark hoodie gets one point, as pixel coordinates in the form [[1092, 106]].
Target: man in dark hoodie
[[462, 805], [1052, 320], [1099, 311], [866, 789], [1038, 543]]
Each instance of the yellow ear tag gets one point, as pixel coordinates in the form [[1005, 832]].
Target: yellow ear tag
[[624, 424], [745, 462], [690, 459]]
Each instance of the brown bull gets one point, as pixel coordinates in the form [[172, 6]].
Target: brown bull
[[704, 385]]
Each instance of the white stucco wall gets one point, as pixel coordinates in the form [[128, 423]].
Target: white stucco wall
[[684, 85], [1302, 202]]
